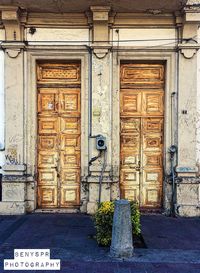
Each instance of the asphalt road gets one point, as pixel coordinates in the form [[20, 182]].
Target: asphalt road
[[173, 244]]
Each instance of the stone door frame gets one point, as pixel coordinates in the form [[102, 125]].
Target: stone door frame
[[169, 57], [30, 108]]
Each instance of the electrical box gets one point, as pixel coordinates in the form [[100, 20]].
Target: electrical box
[[101, 143]]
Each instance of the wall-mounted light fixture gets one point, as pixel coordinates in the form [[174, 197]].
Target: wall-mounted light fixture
[[32, 30]]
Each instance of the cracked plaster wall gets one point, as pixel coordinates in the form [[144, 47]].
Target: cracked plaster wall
[[101, 115], [2, 120]]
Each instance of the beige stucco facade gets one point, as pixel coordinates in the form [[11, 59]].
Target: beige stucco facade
[[100, 37]]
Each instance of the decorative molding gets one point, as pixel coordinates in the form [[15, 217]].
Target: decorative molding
[[13, 45], [100, 13], [101, 51], [13, 49], [13, 19], [111, 19], [100, 16], [85, 19], [146, 19], [57, 19], [192, 11], [154, 11], [189, 50], [183, 171], [13, 53], [192, 5], [188, 53]]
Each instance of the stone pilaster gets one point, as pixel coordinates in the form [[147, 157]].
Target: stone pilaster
[[188, 185], [14, 179], [101, 101], [14, 90], [188, 93]]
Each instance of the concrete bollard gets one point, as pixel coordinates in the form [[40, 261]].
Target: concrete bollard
[[122, 240]]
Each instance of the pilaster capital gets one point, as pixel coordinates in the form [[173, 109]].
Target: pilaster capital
[[13, 49], [13, 18], [100, 51], [190, 19], [100, 13], [191, 12], [192, 6], [189, 50], [10, 13], [100, 24]]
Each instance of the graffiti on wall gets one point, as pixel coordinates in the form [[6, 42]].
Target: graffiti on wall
[[11, 157]]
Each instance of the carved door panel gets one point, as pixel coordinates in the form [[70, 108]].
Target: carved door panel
[[59, 117], [130, 157], [141, 133]]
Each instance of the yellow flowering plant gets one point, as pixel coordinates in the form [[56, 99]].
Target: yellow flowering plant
[[103, 220]]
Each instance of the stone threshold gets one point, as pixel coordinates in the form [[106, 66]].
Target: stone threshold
[[56, 210]]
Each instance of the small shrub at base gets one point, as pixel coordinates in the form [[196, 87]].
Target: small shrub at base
[[103, 220]]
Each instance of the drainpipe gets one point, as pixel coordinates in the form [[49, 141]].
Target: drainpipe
[[90, 51], [179, 40], [90, 160], [101, 175], [173, 151]]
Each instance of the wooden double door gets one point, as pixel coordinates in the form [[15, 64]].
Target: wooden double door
[[141, 133], [59, 122]]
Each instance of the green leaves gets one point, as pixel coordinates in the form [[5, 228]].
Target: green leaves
[[103, 220], [135, 218]]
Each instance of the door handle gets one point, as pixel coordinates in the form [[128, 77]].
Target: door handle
[[56, 106], [57, 168], [57, 171], [138, 167]]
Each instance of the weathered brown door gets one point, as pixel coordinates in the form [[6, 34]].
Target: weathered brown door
[[59, 117], [141, 135]]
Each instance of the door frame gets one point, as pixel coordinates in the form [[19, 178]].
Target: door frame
[[30, 97], [169, 59]]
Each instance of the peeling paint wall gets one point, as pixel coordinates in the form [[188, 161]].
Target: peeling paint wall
[[154, 42], [73, 36], [2, 120], [198, 109], [144, 37]]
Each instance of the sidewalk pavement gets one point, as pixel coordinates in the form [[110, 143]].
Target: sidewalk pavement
[[173, 244]]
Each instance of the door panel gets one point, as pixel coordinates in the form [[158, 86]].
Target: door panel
[[48, 142], [130, 156], [70, 102], [130, 103], [152, 103], [59, 116], [69, 196], [141, 133], [47, 101], [48, 125], [47, 196], [138, 75], [47, 176], [47, 159], [59, 73], [69, 125]]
